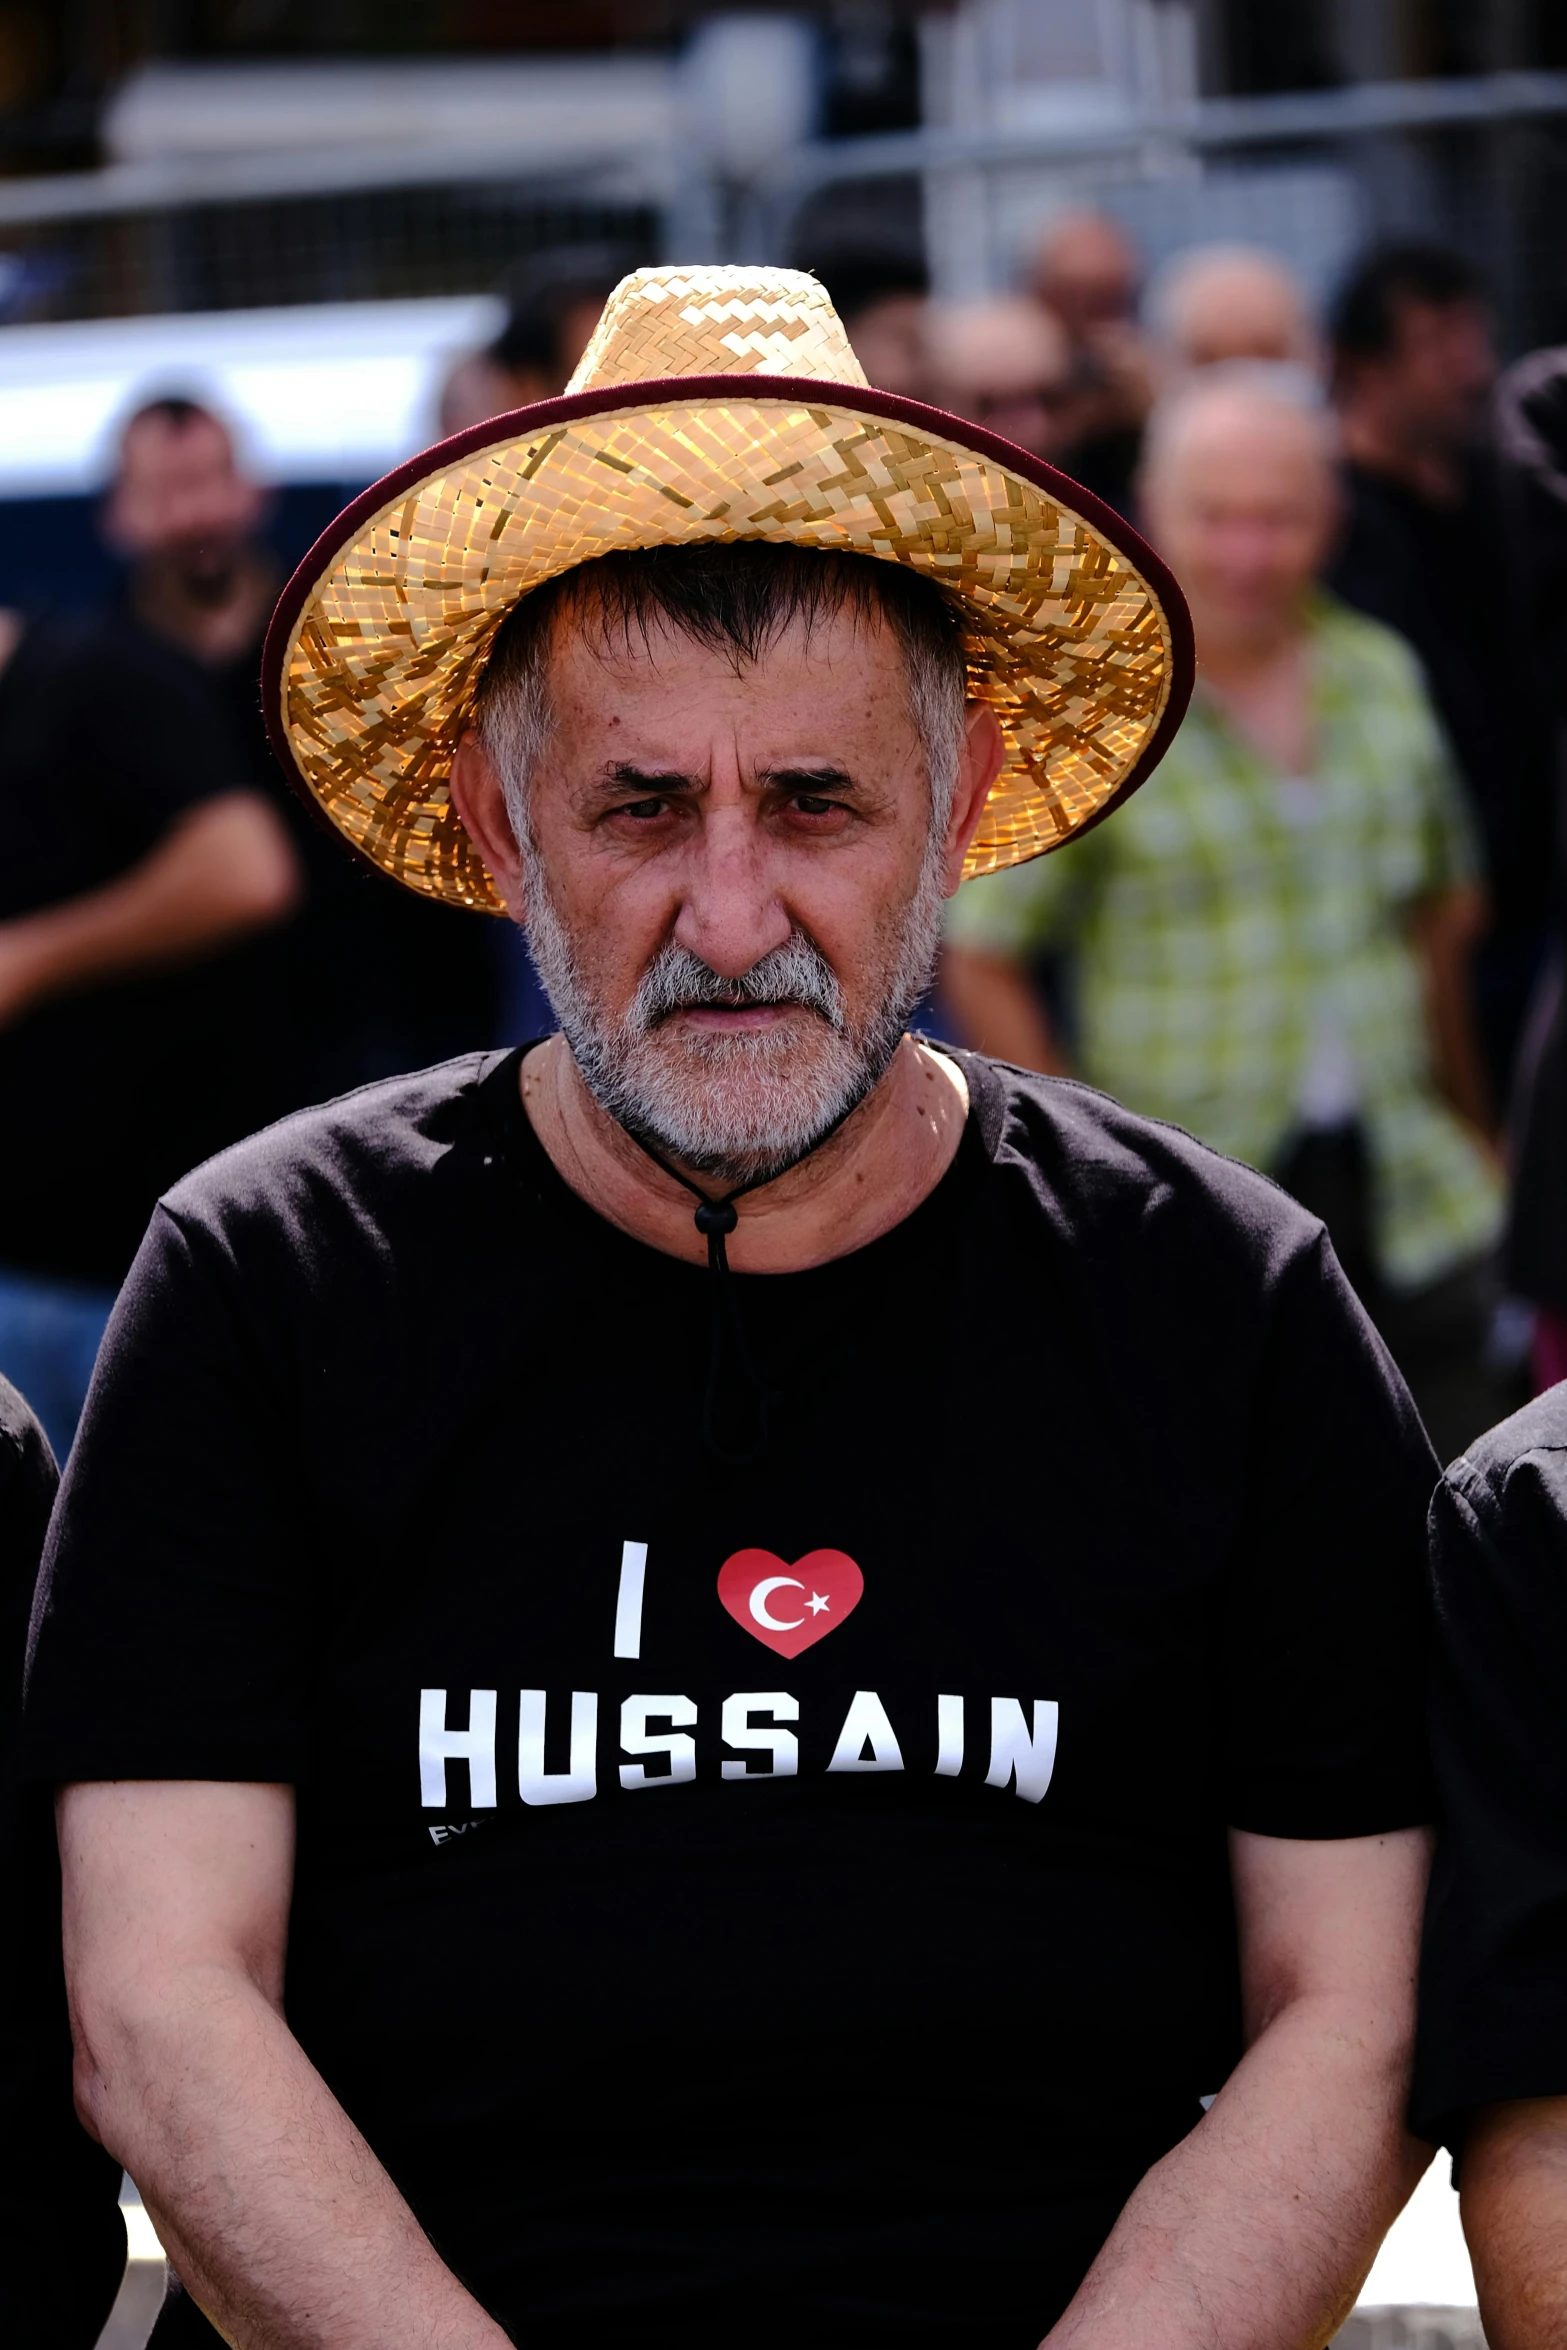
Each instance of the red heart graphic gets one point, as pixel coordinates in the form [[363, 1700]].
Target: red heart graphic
[[790, 1608]]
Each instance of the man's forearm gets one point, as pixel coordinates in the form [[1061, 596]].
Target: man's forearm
[[227, 868], [277, 2216], [1256, 2231]]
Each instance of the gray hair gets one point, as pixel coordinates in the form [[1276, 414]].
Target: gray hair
[[736, 597]]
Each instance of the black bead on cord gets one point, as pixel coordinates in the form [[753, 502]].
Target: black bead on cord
[[715, 1219]]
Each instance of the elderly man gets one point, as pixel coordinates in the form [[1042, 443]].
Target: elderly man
[[1005, 364], [1270, 947], [1021, 1944]]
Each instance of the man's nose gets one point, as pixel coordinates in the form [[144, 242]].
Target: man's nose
[[730, 911]]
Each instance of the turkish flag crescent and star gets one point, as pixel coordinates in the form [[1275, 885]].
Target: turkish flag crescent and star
[[790, 1607]]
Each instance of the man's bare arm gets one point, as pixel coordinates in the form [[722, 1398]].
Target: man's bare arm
[[224, 868], [999, 1010], [275, 2212], [1257, 2230], [1514, 2203]]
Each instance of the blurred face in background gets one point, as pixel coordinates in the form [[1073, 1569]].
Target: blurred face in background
[[478, 388], [1234, 305], [180, 498], [1433, 385], [1086, 272], [889, 342], [1006, 365], [1240, 496]]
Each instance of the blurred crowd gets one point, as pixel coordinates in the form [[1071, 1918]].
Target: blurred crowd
[[1327, 939]]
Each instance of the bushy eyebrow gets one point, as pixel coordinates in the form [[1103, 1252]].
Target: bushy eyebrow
[[625, 775], [824, 771]]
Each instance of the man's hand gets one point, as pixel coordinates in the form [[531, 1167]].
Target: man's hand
[[1257, 2230], [227, 867], [1514, 2203], [277, 2216]]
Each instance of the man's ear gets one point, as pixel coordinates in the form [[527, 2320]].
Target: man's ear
[[480, 801], [980, 762]]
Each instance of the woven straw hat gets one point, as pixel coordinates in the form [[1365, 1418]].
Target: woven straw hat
[[717, 404]]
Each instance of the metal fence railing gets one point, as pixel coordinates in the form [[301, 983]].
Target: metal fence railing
[[1482, 163]]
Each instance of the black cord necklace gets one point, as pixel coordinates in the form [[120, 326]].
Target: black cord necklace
[[715, 1219]]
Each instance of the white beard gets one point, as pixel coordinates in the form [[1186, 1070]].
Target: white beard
[[738, 1106]]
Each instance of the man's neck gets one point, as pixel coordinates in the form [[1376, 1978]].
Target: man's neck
[[1231, 659], [867, 1177], [1261, 684]]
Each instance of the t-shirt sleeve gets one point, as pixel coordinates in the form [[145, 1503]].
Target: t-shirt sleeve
[[168, 1632], [1493, 2008], [1326, 1608], [1028, 909]]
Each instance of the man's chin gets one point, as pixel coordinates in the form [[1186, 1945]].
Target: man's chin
[[738, 1106]]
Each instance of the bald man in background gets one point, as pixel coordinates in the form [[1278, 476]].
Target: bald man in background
[[1269, 949], [1005, 364], [1217, 303]]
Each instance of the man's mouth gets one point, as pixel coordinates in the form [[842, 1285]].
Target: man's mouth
[[734, 1019]]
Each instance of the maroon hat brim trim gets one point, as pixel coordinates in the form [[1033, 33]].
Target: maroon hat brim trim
[[686, 391]]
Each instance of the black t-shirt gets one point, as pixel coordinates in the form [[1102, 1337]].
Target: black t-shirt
[[363, 980], [62, 2241], [107, 738], [1493, 2008], [1092, 1522]]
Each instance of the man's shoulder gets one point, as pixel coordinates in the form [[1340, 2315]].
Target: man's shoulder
[[1512, 1482], [1103, 1166], [358, 1152]]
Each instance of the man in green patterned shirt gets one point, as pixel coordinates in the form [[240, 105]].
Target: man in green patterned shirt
[[1269, 944]]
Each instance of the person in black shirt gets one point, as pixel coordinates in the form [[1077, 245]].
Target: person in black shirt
[[62, 2240], [1491, 2071], [1021, 1941], [359, 982], [132, 1040], [1426, 549]]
